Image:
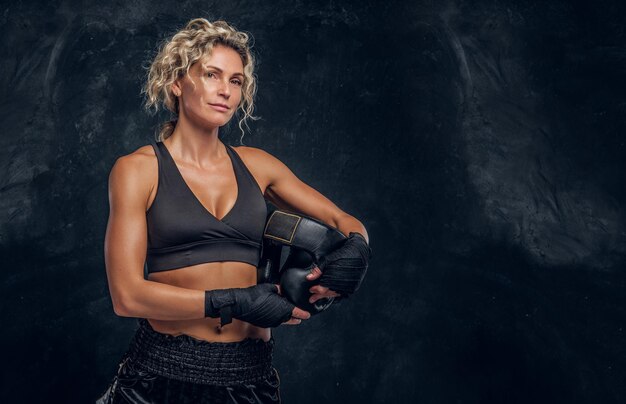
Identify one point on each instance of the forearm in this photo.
(259, 305)
(347, 224)
(148, 299)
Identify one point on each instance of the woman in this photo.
(193, 210)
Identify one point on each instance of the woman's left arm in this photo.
(285, 190)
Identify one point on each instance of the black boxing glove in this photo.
(344, 268)
(259, 305)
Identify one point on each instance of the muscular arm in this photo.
(125, 252)
(286, 191)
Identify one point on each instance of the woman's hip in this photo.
(165, 368)
(135, 386)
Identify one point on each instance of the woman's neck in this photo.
(195, 144)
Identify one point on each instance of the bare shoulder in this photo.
(134, 175)
(138, 163)
(257, 157)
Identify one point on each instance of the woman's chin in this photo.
(211, 123)
(217, 122)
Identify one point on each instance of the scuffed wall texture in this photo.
(481, 143)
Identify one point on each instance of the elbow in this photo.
(125, 297)
(123, 305)
(121, 310)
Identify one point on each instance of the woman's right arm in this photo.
(125, 251)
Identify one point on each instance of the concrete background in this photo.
(481, 143)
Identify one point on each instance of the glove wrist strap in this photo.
(218, 303)
(226, 315)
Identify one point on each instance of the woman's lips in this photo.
(219, 107)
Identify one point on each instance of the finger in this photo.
(293, 321)
(318, 289)
(314, 298)
(315, 273)
(323, 291)
(299, 313)
(317, 296)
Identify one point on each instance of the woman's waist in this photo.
(208, 329)
(210, 276)
(187, 358)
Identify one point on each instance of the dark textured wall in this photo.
(481, 143)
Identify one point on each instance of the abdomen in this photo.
(210, 276)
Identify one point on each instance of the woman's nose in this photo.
(224, 89)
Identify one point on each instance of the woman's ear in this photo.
(176, 88)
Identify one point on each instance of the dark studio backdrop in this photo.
(481, 143)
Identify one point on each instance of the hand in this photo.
(297, 314)
(260, 305)
(319, 291)
(344, 268)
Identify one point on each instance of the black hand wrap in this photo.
(344, 268)
(308, 240)
(259, 305)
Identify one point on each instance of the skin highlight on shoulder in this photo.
(256, 155)
(139, 168)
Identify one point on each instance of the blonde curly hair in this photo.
(187, 46)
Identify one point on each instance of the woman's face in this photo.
(218, 80)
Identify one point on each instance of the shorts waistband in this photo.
(189, 359)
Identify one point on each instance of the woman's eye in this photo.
(211, 74)
(237, 82)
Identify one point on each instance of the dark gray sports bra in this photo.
(182, 232)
